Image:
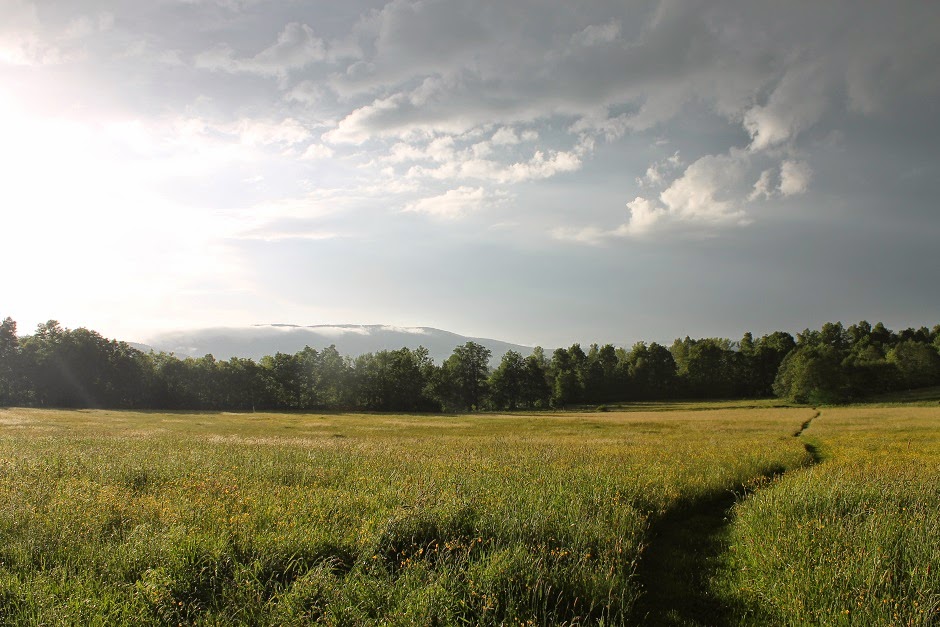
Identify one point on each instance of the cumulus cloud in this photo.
(794, 177)
(707, 194)
(507, 136)
(643, 215)
(763, 187)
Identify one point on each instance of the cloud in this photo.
(796, 103)
(27, 40)
(507, 136)
(317, 151)
(273, 235)
(411, 330)
(295, 48)
(657, 173)
(707, 194)
(763, 187)
(466, 165)
(455, 203)
(706, 191)
(335, 331)
(643, 215)
(794, 177)
(596, 34)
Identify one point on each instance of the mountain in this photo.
(350, 339)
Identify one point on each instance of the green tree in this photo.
(463, 382)
(918, 364)
(332, 378)
(812, 374)
(10, 381)
(566, 382)
(651, 370)
(536, 391)
(507, 382)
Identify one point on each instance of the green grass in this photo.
(156, 518)
(854, 540)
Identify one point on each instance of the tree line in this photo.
(78, 368)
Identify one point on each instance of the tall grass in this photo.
(149, 518)
(853, 541)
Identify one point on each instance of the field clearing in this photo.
(144, 517)
(856, 539)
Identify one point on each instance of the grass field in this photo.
(544, 519)
(855, 539)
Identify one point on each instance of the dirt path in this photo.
(684, 553)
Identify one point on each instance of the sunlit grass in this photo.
(854, 540)
(121, 517)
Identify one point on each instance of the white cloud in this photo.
(333, 331)
(261, 133)
(465, 165)
(643, 215)
(317, 151)
(657, 173)
(275, 235)
(794, 177)
(797, 102)
(707, 190)
(454, 203)
(763, 187)
(505, 136)
(412, 330)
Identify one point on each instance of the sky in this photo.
(536, 171)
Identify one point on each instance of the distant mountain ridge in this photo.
(352, 340)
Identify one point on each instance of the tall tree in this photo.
(9, 366)
(508, 381)
(464, 376)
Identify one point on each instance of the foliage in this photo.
(58, 367)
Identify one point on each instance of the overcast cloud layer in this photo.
(540, 172)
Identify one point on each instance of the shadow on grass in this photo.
(684, 554)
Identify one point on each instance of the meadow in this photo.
(856, 538)
(111, 517)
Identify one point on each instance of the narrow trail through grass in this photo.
(684, 553)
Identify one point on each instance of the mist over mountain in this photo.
(350, 339)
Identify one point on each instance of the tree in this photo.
(464, 377)
(507, 381)
(566, 383)
(536, 391)
(765, 359)
(9, 366)
(710, 368)
(812, 374)
(284, 371)
(332, 378)
(918, 364)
